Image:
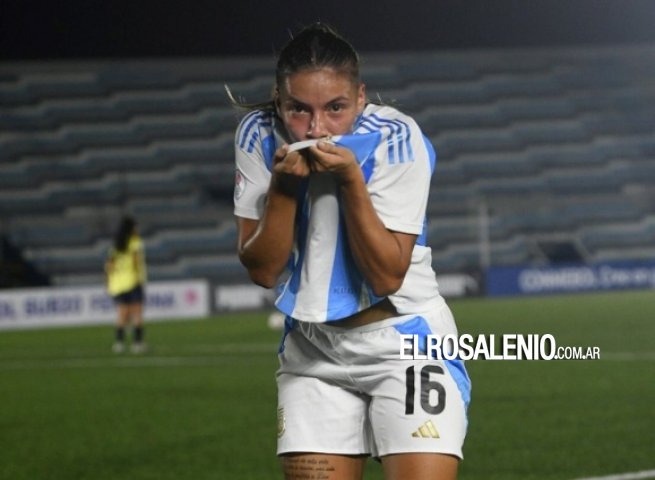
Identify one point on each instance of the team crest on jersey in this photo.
(239, 184)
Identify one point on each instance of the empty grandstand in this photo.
(536, 147)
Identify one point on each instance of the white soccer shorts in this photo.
(346, 391)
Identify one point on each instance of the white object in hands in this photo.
(306, 144)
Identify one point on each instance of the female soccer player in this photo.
(126, 276)
(344, 213)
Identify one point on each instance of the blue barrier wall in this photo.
(573, 278)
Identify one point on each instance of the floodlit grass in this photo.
(202, 403)
(563, 419)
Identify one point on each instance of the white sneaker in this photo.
(118, 347)
(138, 348)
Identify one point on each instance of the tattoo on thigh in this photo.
(307, 468)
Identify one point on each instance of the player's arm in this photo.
(109, 268)
(138, 261)
(383, 256)
(264, 245)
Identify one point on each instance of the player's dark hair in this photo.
(125, 230)
(314, 47)
(317, 46)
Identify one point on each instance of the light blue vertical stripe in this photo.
(251, 128)
(363, 146)
(345, 282)
(416, 326)
(398, 139)
(287, 301)
(253, 139)
(422, 239)
(391, 150)
(268, 146)
(289, 324)
(432, 153)
(248, 123)
(460, 376)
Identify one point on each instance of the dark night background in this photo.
(39, 29)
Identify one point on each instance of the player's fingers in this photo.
(285, 159)
(283, 150)
(321, 161)
(328, 147)
(318, 164)
(332, 156)
(293, 164)
(280, 153)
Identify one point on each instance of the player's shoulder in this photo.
(257, 116)
(380, 115)
(252, 122)
(135, 243)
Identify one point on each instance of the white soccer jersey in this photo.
(397, 161)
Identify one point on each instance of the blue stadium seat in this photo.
(554, 141)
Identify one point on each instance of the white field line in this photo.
(206, 355)
(217, 355)
(628, 356)
(624, 476)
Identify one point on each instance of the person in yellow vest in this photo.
(126, 278)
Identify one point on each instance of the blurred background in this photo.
(542, 114)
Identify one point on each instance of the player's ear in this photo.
(276, 101)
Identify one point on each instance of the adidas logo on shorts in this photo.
(427, 430)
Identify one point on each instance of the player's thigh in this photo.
(301, 466)
(315, 415)
(123, 310)
(420, 466)
(136, 313)
(418, 407)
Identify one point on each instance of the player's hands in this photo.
(294, 163)
(328, 157)
(289, 169)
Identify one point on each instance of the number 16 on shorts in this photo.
(431, 392)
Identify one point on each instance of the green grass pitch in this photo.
(201, 404)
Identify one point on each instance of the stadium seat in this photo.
(557, 141)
